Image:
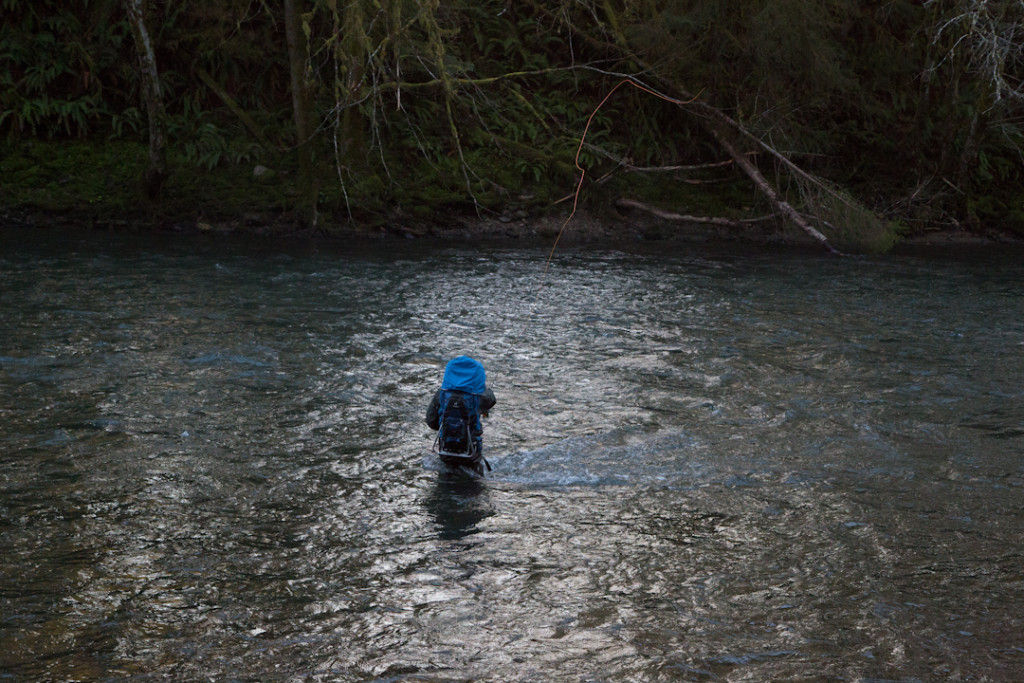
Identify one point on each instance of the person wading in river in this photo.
(455, 411)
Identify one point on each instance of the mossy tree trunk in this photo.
(350, 83)
(302, 108)
(156, 171)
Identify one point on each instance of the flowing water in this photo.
(706, 465)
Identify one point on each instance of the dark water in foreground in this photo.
(706, 466)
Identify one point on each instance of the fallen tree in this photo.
(626, 203)
(826, 200)
(780, 204)
(824, 207)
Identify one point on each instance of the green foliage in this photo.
(205, 144)
(849, 225)
(430, 102)
(126, 123)
(59, 65)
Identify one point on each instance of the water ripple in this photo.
(213, 464)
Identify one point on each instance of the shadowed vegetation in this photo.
(868, 120)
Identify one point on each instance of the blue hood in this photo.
(464, 374)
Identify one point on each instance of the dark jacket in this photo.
(487, 402)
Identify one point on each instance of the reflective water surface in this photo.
(707, 466)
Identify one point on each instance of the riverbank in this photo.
(95, 187)
(541, 228)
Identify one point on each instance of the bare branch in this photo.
(673, 216)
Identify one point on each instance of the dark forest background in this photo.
(856, 122)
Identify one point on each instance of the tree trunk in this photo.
(156, 171)
(351, 53)
(301, 107)
(626, 203)
(781, 205)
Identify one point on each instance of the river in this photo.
(708, 464)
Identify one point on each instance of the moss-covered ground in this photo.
(99, 184)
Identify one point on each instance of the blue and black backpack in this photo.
(459, 424)
(458, 435)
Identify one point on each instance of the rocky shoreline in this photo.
(581, 228)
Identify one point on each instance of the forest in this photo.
(855, 124)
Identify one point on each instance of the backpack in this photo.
(459, 422)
